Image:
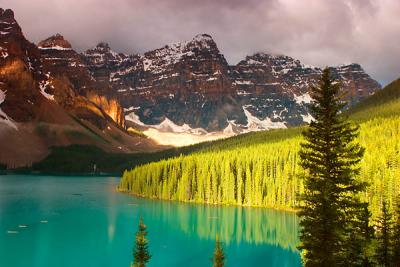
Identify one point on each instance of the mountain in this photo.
(191, 85)
(46, 100)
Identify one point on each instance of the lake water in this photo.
(83, 222)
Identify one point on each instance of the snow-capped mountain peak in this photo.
(102, 54)
(56, 42)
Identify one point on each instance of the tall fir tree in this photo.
(383, 250)
(330, 157)
(396, 235)
(219, 256)
(141, 254)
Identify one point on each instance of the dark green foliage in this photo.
(384, 235)
(219, 256)
(79, 159)
(141, 254)
(3, 166)
(331, 157)
(359, 244)
(367, 234)
(396, 235)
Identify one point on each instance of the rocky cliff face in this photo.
(274, 87)
(32, 76)
(65, 64)
(191, 84)
(356, 83)
(20, 72)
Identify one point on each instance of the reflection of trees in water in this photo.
(233, 224)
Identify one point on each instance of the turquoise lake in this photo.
(83, 222)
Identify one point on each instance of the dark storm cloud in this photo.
(318, 32)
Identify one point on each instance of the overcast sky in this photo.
(318, 32)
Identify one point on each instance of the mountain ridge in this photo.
(186, 77)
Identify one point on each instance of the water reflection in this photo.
(232, 224)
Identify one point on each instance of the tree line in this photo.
(266, 174)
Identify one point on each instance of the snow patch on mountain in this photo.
(305, 98)
(43, 85)
(146, 64)
(166, 126)
(229, 129)
(56, 47)
(255, 124)
(3, 52)
(4, 118)
(169, 126)
(243, 82)
(134, 118)
(182, 139)
(307, 118)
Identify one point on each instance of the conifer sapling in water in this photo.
(140, 252)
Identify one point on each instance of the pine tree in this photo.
(141, 254)
(330, 157)
(359, 250)
(367, 235)
(219, 257)
(384, 225)
(396, 235)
